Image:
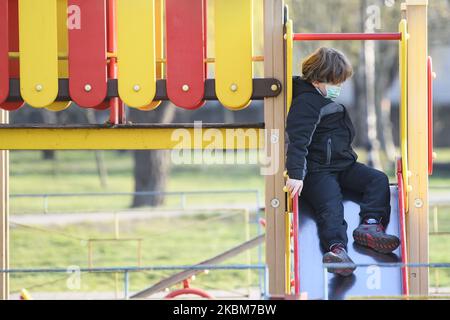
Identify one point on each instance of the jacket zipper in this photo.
(346, 117)
(329, 151)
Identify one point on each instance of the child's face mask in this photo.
(333, 91)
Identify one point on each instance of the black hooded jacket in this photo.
(319, 133)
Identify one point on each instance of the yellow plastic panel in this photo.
(289, 61)
(159, 23)
(130, 138)
(38, 40)
(404, 106)
(63, 46)
(136, 52)
(234, 50)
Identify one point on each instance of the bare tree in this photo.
(99, 154)
(49, 117)
(371, 20)
(151, 167)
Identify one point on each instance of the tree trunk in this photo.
(387, 138)
(151, 167)
(359, 93)
(150, 174)
(48, 154)
(49, 118)
(99, 156)
(374, 158)
(388, 67)
(370, 24)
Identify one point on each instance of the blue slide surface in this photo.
(366, 281)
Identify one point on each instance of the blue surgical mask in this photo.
(333, 91)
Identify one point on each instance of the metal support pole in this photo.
(248, 254)
(266, 283)
(325, 284)
(435, 219)
(436, 230)
(45, 204)
(90, 253)
(183, 201)
(126, 284)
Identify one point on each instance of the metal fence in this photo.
(127, 271)
(183, 196)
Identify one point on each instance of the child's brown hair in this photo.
(327, 65)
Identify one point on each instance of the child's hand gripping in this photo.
(294, 186)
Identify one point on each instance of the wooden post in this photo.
(275, 115)
(417, 218)
(4, 208)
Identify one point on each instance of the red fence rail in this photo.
(346, 36)
(296, 245)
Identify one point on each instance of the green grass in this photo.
(75, 172)
(187, 240)
(443, 155)
(182, 241)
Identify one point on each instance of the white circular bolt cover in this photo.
(418, 203)
(274, 138)
(275, 203)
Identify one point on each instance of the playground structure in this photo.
(111, 54)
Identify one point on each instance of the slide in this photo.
(366, 281)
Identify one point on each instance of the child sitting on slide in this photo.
(321, 162)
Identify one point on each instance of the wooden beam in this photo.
(133, 137)
(4, 212)
(417, 218)
(179, 277)
(275, 115)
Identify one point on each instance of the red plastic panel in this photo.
(185, 45)
(4, 48)
(87, 52)
(205, 32)
(430, 116)
(113, 104)
(13, 30)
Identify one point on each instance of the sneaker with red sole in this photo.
(338, 254)
(374, 236)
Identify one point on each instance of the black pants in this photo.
(323, 191)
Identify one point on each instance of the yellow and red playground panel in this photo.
(71, 55)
